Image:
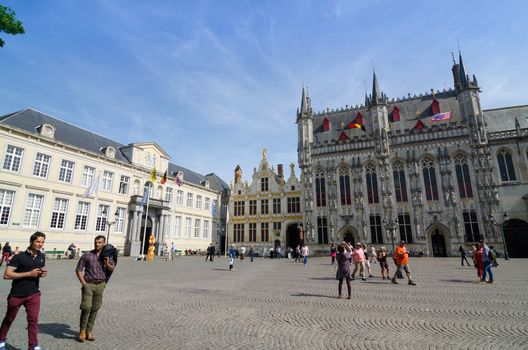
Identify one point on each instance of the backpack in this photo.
(492, 256)
(109, 251)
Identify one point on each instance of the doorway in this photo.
(348, 235)
(292, 236)
(516, 237)
(439, 244)
(148, 231)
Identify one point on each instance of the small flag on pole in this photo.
(178, 178)
(153, 176)
(356, 126)
(441, 116)
(146, 195)
(164, 178)
(93, 188)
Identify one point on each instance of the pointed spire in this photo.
(375, 87)
(463, 76)
(305, 102)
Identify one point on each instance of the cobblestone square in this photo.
(279, 304)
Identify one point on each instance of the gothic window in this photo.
(326, 124)
(320, 189)
(400, 186)
(463, 179)
(507, 171)
(376, 232)
(471, 226)
(372, 184)
(322, 230)
(435, 107)
(431, 189)
(404, 222)
(395, 114)
(344, 186)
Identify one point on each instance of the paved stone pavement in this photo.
(193, 304)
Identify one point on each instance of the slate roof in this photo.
(502, 119)
(29, 119)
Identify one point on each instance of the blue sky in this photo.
(213, 82)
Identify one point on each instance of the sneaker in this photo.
(363, 278)
(490, 281)
(412, 283)
(2, 345)
(394, 281)
(38, 348)
(371, 276)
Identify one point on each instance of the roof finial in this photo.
(453, 56)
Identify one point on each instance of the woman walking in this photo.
(343, 267)
(333, 253)
(358, 256)
(382, 258)
(478, 260)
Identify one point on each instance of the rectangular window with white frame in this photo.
(81, 217)
(6, 202)
(102, 217)
(119, 226)
(189, 200)
(41, 166)
(66, 171)
(108, 181)
(177, 226)
(197, 224)
(188, 227)
(124, 184)
(206, 229)
(88, 176)
(32, 210)
(207, 203)
(198, 202)
(58, 216)
(179, 197)
(168, 195)
(13, 158)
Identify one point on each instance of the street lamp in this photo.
(504, 219)
(109, 224)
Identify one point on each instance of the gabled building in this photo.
(433, 169)
(266, 212)
(47, 165)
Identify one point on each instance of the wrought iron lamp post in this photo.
(109, 224)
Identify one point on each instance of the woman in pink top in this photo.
(358, 257)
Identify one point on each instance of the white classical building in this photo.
(433, 169)
(266, 212)
(47, 165)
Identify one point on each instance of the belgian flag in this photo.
(356, 126)
(164, 178)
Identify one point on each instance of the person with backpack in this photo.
(93, 271)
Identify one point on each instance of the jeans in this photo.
(92, 299)
(487, 269)
(463, 257)
(32, 305)
(305, 260)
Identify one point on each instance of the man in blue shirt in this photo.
(486, 262)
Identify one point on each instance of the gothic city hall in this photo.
(433, 169)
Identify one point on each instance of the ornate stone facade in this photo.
(388, 170)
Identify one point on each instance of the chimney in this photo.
(279, 170)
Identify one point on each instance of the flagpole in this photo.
(146, 220)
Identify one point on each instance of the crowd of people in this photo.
(484, 260)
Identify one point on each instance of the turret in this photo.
(378, 117)
(305, 129)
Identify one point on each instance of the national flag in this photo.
(164, 178)
(93, 188)
(177, 179)
(153, 176)
(441, 116)
(356, 126)
(146, 195)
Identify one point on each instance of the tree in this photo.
(8, 23)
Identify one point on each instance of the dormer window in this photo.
(395, 114)
(359, 118)
(109, 151)
(206, 184)
(326, 124)
(46, 130)
(435, 106)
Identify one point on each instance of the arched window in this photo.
(507, 171)
(320, 188)
(400, 187)
(431, 189)
(344, 186)
(463, 179)
(372, 184)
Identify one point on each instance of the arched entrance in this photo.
(148, 232)
(516, 237)
(439, 235)
(348, 234)
(293, 238)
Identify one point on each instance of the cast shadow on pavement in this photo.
(458, 281)
(313, 295)
(322, 278)
(10, 347)
(58, 330)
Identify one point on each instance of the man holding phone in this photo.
(91, 273)
(25, 269)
